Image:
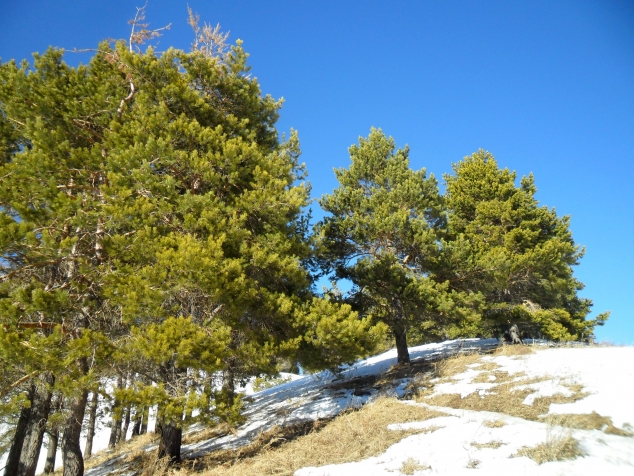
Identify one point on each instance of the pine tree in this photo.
(518, 254)
(143, 196)
(383, 235)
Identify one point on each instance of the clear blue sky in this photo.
(547, 87)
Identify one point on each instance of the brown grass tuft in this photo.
(410, 466)
(494, 423)
(502, 397)
(514, 350)
(447, 368)
(352, 436)
(557, 448)
(490, 444)
(587, 421)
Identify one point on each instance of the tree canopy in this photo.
(150, 212)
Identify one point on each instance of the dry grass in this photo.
(153, 466)
(490, 444)
(503, 399)
(514, 350)
(410, 466)
(555, 448)
(587, 421)
(503, 396)
(493, 423)
(351, 436)
(473, 463)
(451, 366)
(132, 446)
(208, 433)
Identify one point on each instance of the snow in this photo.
(605, 373)
(449, 450)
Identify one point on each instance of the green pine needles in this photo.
(467, 263)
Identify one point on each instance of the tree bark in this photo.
(400, 334)
(115, 428)
(51, 454)
(71, 451)
(73, 459)
(138, 417)
(126, 424)
(13, 460)
(40, 408)
(144, 420)
(90, 434)
(229, 385)
(170, 444)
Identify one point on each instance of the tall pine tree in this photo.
(383, 234)
(149, 209)
(518, 254)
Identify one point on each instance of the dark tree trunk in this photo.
(71, 451)
(72, 457)
(170, 444)
(115, 428)
(126, 425)
(51, 454)
(158, 424)
(400, 334)
(90, 434)
(53, 438)
(144, 420)
(229, 385)
(138, 417)
(40, 408)
(13, 460)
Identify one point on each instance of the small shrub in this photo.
(410, 466)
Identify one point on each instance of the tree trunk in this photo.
(138, 417)
(13, 460)
(170, 444)
(90, 434)
(400, 334)
(73, 459)
(51, 454)
(40, 408)
(126, 425)
(229, 385)
(144, 420)
(115, 428)
(71, 451)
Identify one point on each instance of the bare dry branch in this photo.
(209, 40)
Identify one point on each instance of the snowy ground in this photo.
(452, 449)
(606, 373)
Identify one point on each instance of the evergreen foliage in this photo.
(383, 235)
(518, 254)
(152, 224)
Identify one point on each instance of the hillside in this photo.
(519, 410)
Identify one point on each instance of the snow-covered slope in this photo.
(461, 442)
